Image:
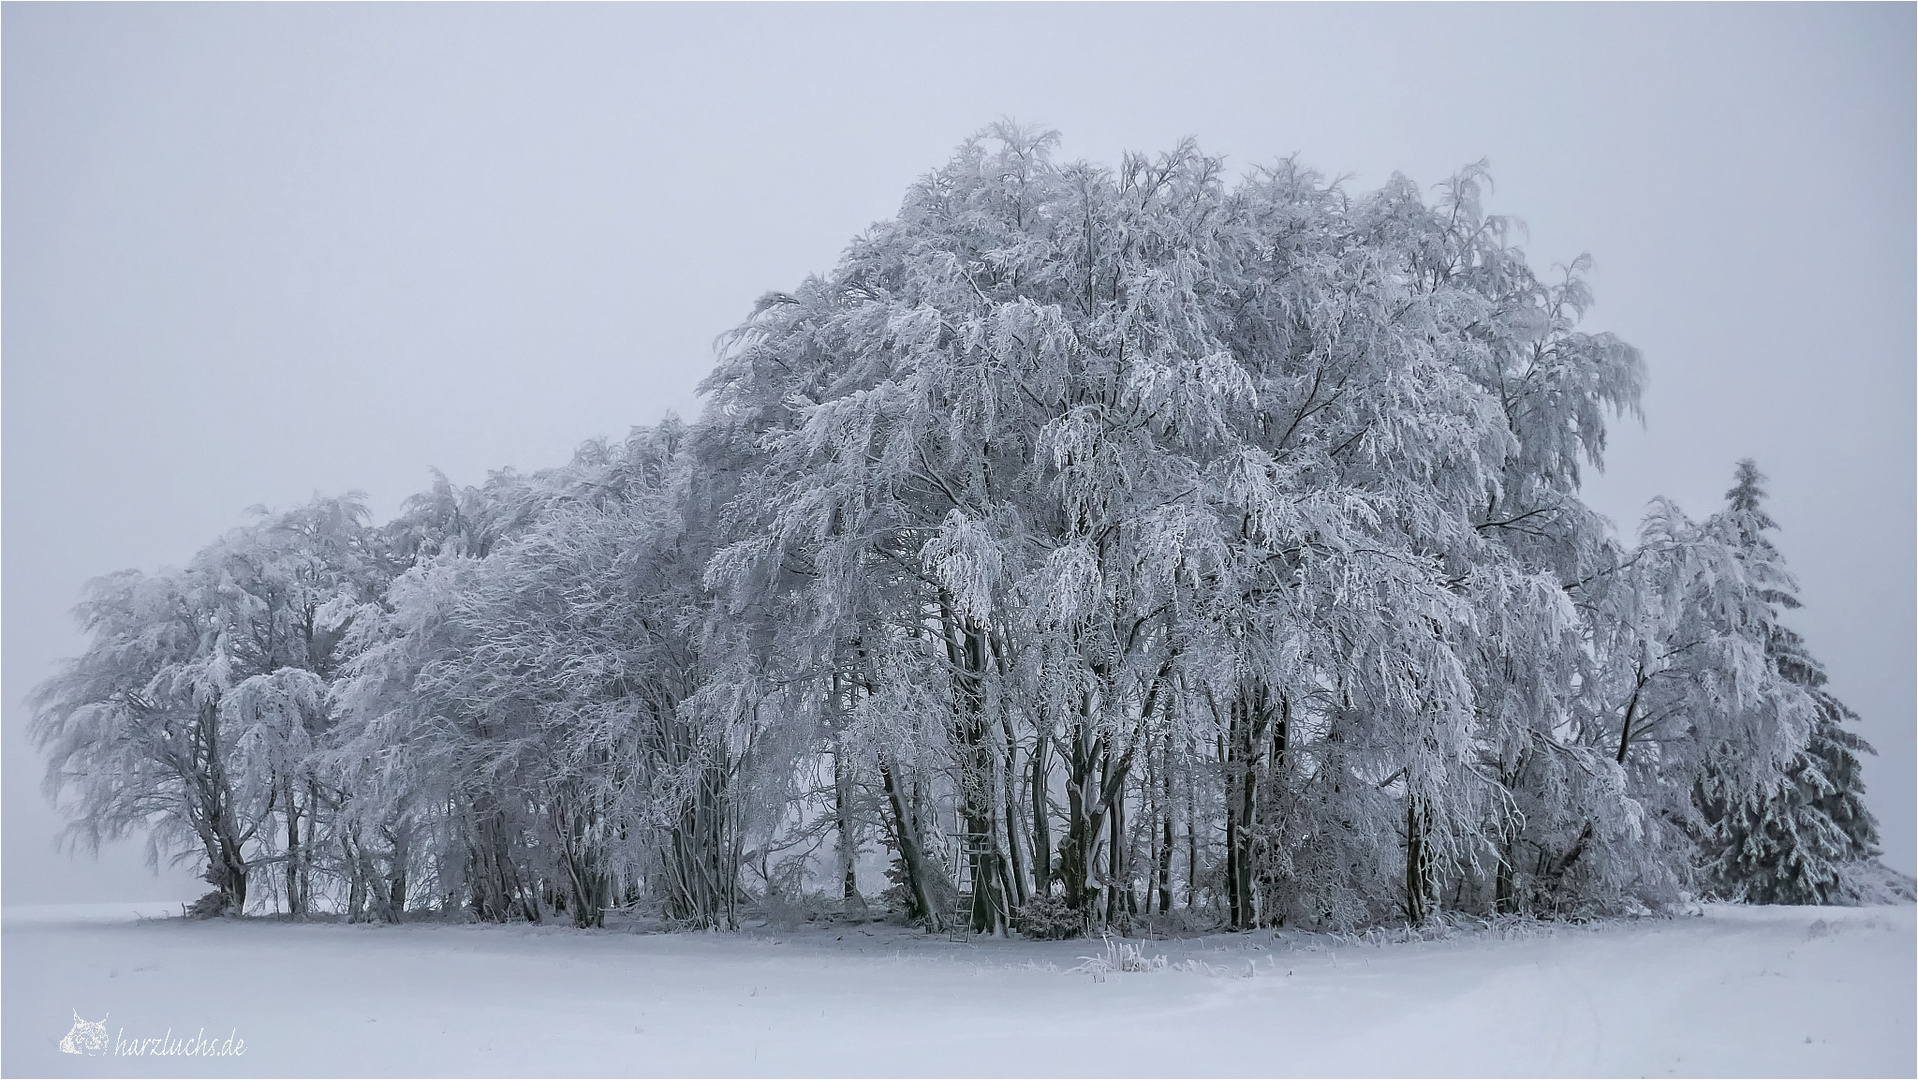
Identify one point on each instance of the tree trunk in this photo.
(966, 652)
(1504, 901)
(295, 908)
(918, 874)
(1075, 848)
(396, 880)
(1041, 820)
(1119, 900)
(1165, 841)
(1233, 897)
(1192, 826)
(1151, 811)
(586, 880)
(842, 771)
(495, 885)
(1631, 707)
(842, 811)
(1418, 877)
(231, 873)
(309, 848)
(1239, 742)
(1247, 718)
(1271, 904)
(213, 814)
(1015, 855)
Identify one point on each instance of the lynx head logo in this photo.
(88, 1037)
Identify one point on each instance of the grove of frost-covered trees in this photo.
(1089, 546)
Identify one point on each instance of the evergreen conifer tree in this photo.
(1789, 846)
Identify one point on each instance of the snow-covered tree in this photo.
(198, 706)
(1790, 845)
(1097, 541)
(1135, 458)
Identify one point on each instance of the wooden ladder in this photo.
(960, 927)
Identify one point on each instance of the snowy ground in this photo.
(1752, 992)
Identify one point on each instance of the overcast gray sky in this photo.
(252, 252)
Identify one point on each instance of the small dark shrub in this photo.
(1047, 918)
(212, 905)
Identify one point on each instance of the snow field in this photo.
(1737, 992)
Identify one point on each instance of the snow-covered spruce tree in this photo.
(1680, 683)
(1791, 845)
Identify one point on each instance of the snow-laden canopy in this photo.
(1101, 544)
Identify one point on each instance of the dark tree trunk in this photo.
(1271, 902)
(491, 875)
(1192, 831)
(1165, 841)
(1096, 772)
(1504, 902)
(1418, 868)
(966, 652)
(1247, 719)
(228, 874)
(396, 880)
(587, 884)
(1151, 811)
(1240, 791)
(295, 907)
(842, 770)
(842, 810)
(1120, 902)
(1015, 854)
(1075, 847)
(920, 887)
(309, 848)
(1041, 819)
(703, 870)
(1631, 708)
(356, 877)
(213, 817)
